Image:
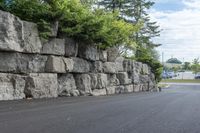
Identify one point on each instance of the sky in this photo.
(179, 21)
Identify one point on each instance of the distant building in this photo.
(173, 62)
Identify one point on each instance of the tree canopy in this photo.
(106, 23)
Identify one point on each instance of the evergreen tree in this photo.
(112, 5)
(137, 11)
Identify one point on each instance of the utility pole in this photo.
(182, 69)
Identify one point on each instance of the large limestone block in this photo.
(71, 47)
(128, 88)
(11, 86)
(11, 36)
(137, 88)
(97, 67)
(69, 64)
(128, 65)
(36, 63)
(83, 83)
(110, 90)
(119, 64)
(55, 64)
(80, 65)
(103, 55)
(67, 85)
(17, 35)
(136, 78)
(138, 67)
(54, 46)
(43, 85)
(98, 92)
(110, 67)
(113, 53)
(113, 80)
(98, 81)
(31, 39)
(123, 78)
(88, 52)
(119, 89)
(144, 79)
(145, 69)
(145, 87)
(22, 63)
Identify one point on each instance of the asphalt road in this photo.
(174, 110)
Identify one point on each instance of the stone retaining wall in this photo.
(32, 68)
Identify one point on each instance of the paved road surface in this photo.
(175, 110)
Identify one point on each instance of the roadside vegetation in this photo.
(180, 81)
(121, 23)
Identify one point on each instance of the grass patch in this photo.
(163, 85)
(180, 81)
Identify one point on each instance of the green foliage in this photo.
(155, 65)
(174, 61)
(195, 66)
(35, 11)
(76, 20)
(2, 4)
(97, 26)
(186, 66)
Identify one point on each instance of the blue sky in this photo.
(180, 22)
(168, 5)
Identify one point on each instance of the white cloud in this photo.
(181, 31)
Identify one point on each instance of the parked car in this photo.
(197, 76)
(165, 75)
(171, 74)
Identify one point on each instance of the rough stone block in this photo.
(128, 88)
(128, 65)
(80, 65)
(54, 46)
(83, 83)
(22, 63)
(36, 63)
(138, 67)
(88, 52)
(113, 80)
(41, 85)
(145, 69)
(137, 88)
(110, 67)
(119, 64)
(69, 64)
(97, 67)
(71, 47)
(119, 89)
(11, 36)
(99, 92)
(55, 64)
(11, 86)
(123, 78)
(98, 81)
(113, 53)
(103, 56)
(110, 90)
(136, 78)
(31, 39)
(67, 85)
(144, 79)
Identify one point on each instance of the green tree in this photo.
(149, 30)
(186, 66)
(112, 5)
(195, 66)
